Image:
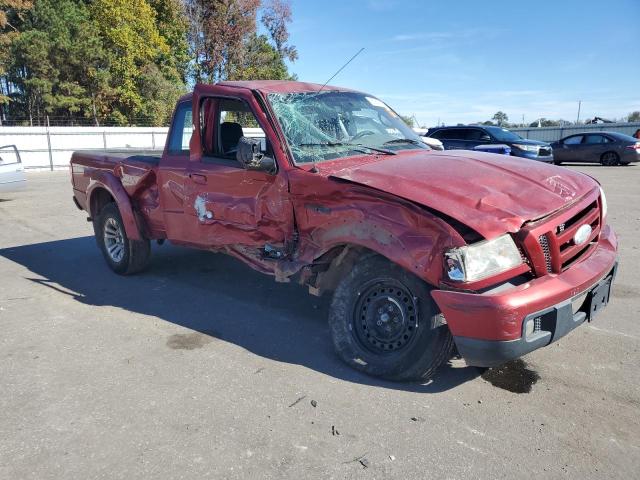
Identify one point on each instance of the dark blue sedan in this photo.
(471, 136)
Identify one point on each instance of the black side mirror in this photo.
(251, 158)
(485, 138)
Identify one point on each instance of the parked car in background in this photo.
(434, 143)
(470, 136)
(11, 169)
(607, 148)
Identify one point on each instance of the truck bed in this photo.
(151, 157)
(133, 169)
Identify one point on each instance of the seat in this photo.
(230, 134)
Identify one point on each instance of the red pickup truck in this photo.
(423, 250)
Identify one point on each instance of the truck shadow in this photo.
(215, 295)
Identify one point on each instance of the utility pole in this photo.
(523, 119)
(579, 105)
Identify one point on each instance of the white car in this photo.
(11, 169)
(434, 143)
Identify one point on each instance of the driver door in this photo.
(570, 149)
(228, 205)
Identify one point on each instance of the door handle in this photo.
(197, 178)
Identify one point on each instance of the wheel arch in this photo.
(107, 189)
(607, 152)
(329, 249)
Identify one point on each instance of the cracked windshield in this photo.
(332, 124)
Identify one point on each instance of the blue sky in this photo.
(461, 61)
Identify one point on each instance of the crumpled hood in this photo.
(493, 194)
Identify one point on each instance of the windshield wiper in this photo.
(403, 140)
(342, 144)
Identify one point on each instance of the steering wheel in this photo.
(363, 133)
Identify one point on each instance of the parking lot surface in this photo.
(202, 368)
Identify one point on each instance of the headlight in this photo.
(528, 148)
(603, 201)
(482, 259)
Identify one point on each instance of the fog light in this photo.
(529, 328)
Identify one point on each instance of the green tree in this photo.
(173, 26)
(225, 46)
(634, 116)
(53, 61)
(500, 118)
(12, 14)
(408, 119)
(276, 15)
(261, 61)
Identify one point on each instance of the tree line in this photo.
(125, 62)
(501, 119)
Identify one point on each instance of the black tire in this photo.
(409, 346)
(134, 253)
(610, 159)
(556, 162)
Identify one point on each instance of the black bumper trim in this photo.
(557, 321)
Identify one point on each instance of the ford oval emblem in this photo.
(582, 234)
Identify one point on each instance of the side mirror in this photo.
(485, 138)
(251, 158)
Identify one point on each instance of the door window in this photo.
(236, 120)
(595, 139)
(476, 135)
(181, 129)
(573, 140)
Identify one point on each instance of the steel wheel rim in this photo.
(113, 240)
(610, 159)
(385, 317)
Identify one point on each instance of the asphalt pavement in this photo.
(202, 368)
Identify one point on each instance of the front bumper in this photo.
(516, 152)
(488, 328)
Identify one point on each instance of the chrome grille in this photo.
(550, 244)
(544, 243)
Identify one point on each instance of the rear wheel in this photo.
(123, 256)
(384, 322)
(610, 159)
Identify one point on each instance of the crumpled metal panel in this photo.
(491, 194)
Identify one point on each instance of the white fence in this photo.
(51, 148)
(42, 148)
(551, 134)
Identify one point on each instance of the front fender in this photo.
(109, 182)
(412, 239)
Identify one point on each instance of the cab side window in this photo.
(181, 129)
(235, 120)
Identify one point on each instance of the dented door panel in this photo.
(237, 207)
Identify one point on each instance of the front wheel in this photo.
(384, 322)
(124, 256)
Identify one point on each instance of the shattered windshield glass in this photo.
(326, 125)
